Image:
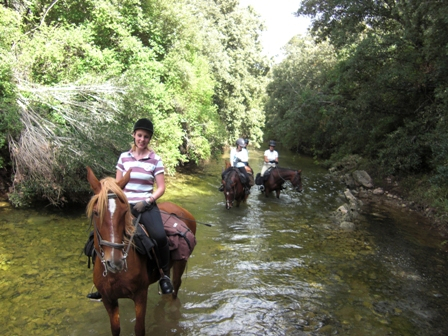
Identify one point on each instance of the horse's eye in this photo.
(95, 213)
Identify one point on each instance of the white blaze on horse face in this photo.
(112, 208)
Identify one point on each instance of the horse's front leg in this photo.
(277, 192)
(140, 301)
(266, 192)
(114, 316)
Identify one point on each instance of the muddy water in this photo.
(271, 267)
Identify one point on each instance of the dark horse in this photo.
(233, 188)
(120, 271)
(278, 176)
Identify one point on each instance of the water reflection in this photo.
(271, 267)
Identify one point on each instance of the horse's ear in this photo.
(122, 183)
(94, 183)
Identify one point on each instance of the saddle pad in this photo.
(180, 238)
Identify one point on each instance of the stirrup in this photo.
(165, 285)
(221, 187)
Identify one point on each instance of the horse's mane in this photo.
(227, 178)
(99, 202)
(283, 169)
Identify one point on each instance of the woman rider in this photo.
(239, 158)
(270, 159)
(147, 169)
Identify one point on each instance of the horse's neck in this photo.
(285, 174)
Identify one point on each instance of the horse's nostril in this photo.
(114, 266)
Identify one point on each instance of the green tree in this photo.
(82, 72)
(232, 46)
(299, 107)
(9, 119)
(390, 72)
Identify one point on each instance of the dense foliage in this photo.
(76, 74)
(373, 83)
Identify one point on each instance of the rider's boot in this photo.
(164, 258)
(94, 296)
(221, 187)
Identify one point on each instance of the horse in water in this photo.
(120, 271)
(233, 187)
(278, 176)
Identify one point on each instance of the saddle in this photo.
(242, 177)
(180, 239)
(260, 179)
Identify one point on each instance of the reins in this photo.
(284, 180)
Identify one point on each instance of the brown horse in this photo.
(278, 176)
(233, 188)
(119, 271)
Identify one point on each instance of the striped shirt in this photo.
(141, 183)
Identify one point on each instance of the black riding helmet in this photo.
(272, 143)
(144, 124)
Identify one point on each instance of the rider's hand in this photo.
(142, 206)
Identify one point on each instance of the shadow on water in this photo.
(270, 267)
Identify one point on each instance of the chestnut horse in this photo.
(120, 271)
(278, 176)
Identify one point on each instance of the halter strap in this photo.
(103, 242)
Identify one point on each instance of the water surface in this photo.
(270, 267)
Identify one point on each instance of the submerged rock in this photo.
(348, 226)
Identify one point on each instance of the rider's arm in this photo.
(160, 181)
(118, 175)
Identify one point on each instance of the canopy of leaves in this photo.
(75, 75)
(383, 93)
(374, 84)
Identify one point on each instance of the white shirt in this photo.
(243, 155)
(272, 156)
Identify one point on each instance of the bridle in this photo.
(296, 175)
(229, 201)
(227, 192)
(119, 246)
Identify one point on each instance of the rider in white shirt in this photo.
(270, 159)
(239, 158)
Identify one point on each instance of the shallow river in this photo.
(270, 267)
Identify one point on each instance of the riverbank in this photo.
(390, 192)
